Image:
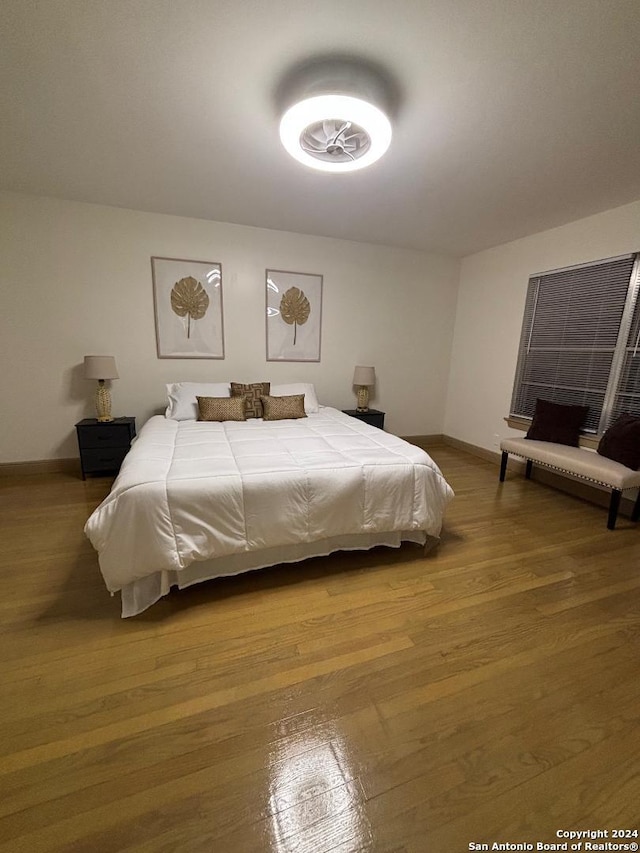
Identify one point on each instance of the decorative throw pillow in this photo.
(621, 442)
(558, 423)
(221, 409)
(282, 408)
(252, 394)
(311, 405)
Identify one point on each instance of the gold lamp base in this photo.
(363, 399)
(103, 402)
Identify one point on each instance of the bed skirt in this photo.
(141, 594)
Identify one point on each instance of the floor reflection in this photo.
(316, 801)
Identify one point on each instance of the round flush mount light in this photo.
(336, 118)
(335, 133)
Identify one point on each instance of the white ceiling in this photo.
(513, 116)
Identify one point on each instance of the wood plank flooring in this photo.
(381, 701)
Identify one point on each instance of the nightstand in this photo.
(103, 445)
(373, 416)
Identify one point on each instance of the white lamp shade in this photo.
(100, 367)
(364, 376)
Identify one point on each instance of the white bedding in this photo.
(242, 495)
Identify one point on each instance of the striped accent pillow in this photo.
(252, 394)
(221, 409)
(283, 408)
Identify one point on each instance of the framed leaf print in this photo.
(294, 316)
(187, 297)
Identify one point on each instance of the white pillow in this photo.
(310, 400)
(181, 396)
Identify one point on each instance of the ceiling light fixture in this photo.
(336, 119)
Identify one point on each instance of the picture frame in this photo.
(188, 308)
(293, 315)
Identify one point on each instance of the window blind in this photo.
(571, 343)
(627, 391)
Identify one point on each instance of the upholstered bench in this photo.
(578, 461)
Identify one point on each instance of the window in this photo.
(580, 341)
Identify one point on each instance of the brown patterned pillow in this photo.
(221, 409)
(252, 394)
(282, 408)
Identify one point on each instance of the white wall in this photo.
(75, 279)
(491, 298)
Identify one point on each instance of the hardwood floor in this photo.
(381, 701)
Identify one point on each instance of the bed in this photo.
(200, 500)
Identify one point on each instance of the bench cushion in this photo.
(579, 461)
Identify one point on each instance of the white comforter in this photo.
(191, 491)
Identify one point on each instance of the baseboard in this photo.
(564, 482)
(480, 452)
(424, 441)
(40, 466)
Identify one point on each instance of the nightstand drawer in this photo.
(108, 459)
(104, 435)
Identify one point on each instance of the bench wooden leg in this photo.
(503, 465)
(614, 504)
(635, 515)
(527, 470)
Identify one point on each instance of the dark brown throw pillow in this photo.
(558, 423)
(252, 393)
(621, 442)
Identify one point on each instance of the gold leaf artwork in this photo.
(294, 309)
(189, 299)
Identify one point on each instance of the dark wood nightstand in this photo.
(373, 416)
(103, 445)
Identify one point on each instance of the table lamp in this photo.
(101, 367)
(363, 377)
